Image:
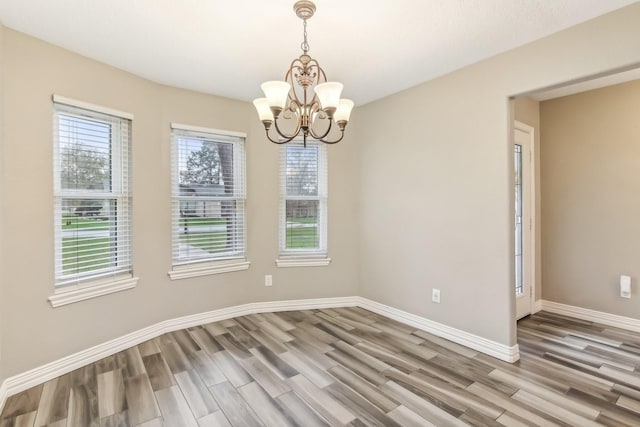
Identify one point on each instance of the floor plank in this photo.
(174, 408)
(217, 419)
(264, 406)
(23, 403)
(141, 400)
(321, 401)
(111, 397)
(83, 406)
(197, 394)
(235, 408)
(299, 411)
(54, 401)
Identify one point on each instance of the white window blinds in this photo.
(208, 213)
(92, 206)
(303, 203)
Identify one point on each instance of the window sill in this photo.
(75, 293)
(204, 269)
(299, 261)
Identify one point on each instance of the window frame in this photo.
(304, 257)
(225, 262)
(81, 286)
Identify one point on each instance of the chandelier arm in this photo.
(336, 141)
(275, 141)
(297, 113)
(289, 78)
(286, 137)
(306, 72)
(322, 77)
(326, 141)
(321, 137)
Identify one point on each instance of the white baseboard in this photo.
(41, 374)
(537, 306)
(601, 317)
(3, 395)
(483, 345)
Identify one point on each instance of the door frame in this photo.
(531, 246)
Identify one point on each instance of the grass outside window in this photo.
(84, 254)
(302, 233)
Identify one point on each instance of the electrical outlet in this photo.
(268, 280)
(435, 296)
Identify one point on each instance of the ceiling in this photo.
(228, 48)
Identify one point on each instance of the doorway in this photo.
(523, 211)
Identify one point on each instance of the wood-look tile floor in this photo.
(346, 366)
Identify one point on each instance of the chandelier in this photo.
(292, 107)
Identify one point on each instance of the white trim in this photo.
(88, 106)
(601, 317)
(284, 262)
(41, 374)
(321, 197)
(204, 269)
(116, 194)
(208, 130)
(4, 394)
(181, 140)
(530, 130)
(537, 306)
(492, 348)
(70, 294)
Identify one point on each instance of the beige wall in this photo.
(436, 177)
(527, 111)
(35, 333)
(2, 192)
(590, 205)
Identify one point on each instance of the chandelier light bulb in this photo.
(264, 112)
(329, 94)
(276, 93)
(343, 112)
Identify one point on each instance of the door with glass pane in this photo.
(523, 222)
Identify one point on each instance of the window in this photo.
(303, 205)
(208, 213)
(92, 206)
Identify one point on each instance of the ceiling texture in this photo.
(228, 48)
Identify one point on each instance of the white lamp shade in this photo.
(276, 93)
(344, 110)
(329, 94)
(262, 107)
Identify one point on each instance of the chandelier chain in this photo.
(305, 44)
